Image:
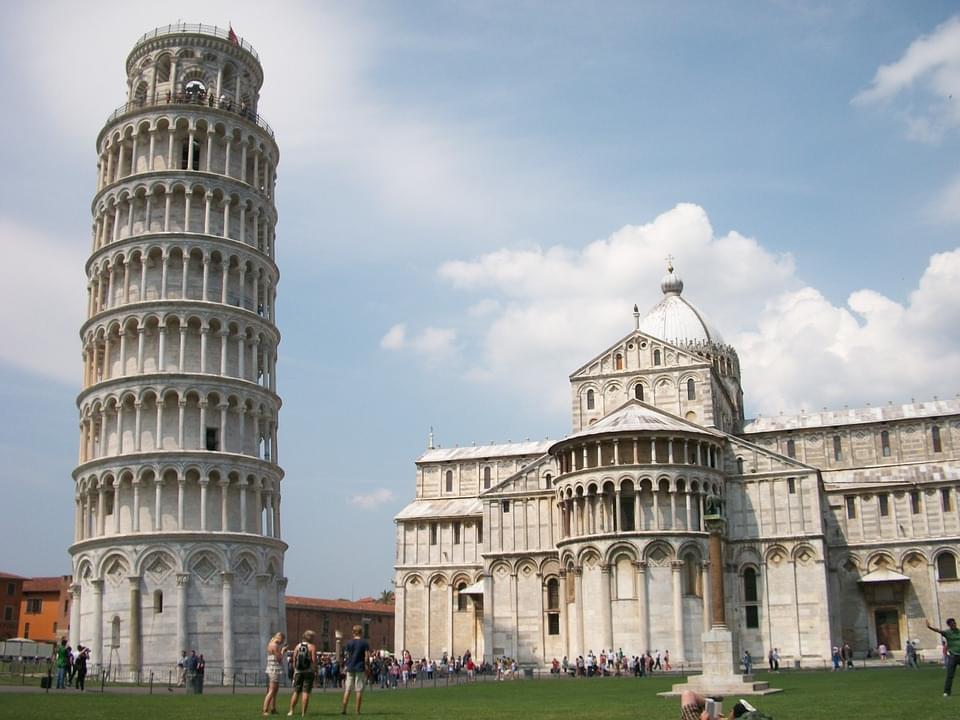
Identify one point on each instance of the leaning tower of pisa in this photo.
(177, 543)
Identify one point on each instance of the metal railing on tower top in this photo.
(225, 33)
(196, 100)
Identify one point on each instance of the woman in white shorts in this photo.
(275, 651)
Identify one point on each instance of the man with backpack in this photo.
(304, 662)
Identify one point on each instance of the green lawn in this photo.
(893, 693)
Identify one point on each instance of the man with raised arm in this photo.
(952, 636)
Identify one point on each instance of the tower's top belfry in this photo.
(175, 56)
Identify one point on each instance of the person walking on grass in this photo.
(304, 671)
(952, 637)
(61, 654)
(356, 650)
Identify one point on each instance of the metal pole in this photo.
(151, 682)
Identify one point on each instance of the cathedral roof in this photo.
(676, 320)
(636, 416)
(853, 416)
(482, 452)
(447, 507)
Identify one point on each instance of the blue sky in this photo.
(472, 197)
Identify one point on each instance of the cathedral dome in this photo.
(674, 319)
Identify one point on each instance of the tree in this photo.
(386, 597)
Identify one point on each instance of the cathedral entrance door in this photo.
(887, 622)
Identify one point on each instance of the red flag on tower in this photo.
(232, 36)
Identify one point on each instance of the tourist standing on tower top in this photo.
(356, 652)
(952, 637)
(275, 650)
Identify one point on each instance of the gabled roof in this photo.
(691, 357)
(637, 416)
(482, 452)
(45, 584)
(501, 486)
(440, 507)
(853, 416)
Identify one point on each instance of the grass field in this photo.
(888, 693)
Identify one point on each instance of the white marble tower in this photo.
(177, 543)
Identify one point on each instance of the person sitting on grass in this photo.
(693, 706)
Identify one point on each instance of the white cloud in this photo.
(557, 307)
(430, 342)
(395, 337)
(373, 500)
(45, 279)
(929, 71)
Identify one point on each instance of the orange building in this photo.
(11, 587)
(328, 617)
(45, 608)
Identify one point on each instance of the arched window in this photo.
(548, 480)
(691, 389)
(791, 448)
(449, 480)
(185, 159)
(691, 575)
(486, 478)
(618, 362)
(158, 602)
(946, 566)
(935, 438)
(461, 597)
(837, 448)
(739, 466)
(163, 69)
(885, 443)
(656, 357)
(638, 391)
(750, 598)
(553, 606)
(115, 632)
(591, 402)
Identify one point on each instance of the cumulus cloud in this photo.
(46, 279)
(551, 309)
(430, 342)
(373, 500)
(929, 73)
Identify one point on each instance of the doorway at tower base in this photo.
(720, 676)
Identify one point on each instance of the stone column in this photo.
(450, 618)
(678, 653)
(564, 623)
(181, 488)
(718, 610)
(224, 498)
(578, 585)
(282, 603)
(136, 506)
(642, 607)
(74, 614)
(96, 648)
(606, 613)
(135, 660)
(204, 482)
(705, 575)
(243, 505)
(514, 602)
(158, 504)
(487, 616)
(183, 639)
(228, 664)
(263, 622)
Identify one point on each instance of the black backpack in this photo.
(301, 658)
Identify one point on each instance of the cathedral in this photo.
(840, 527)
